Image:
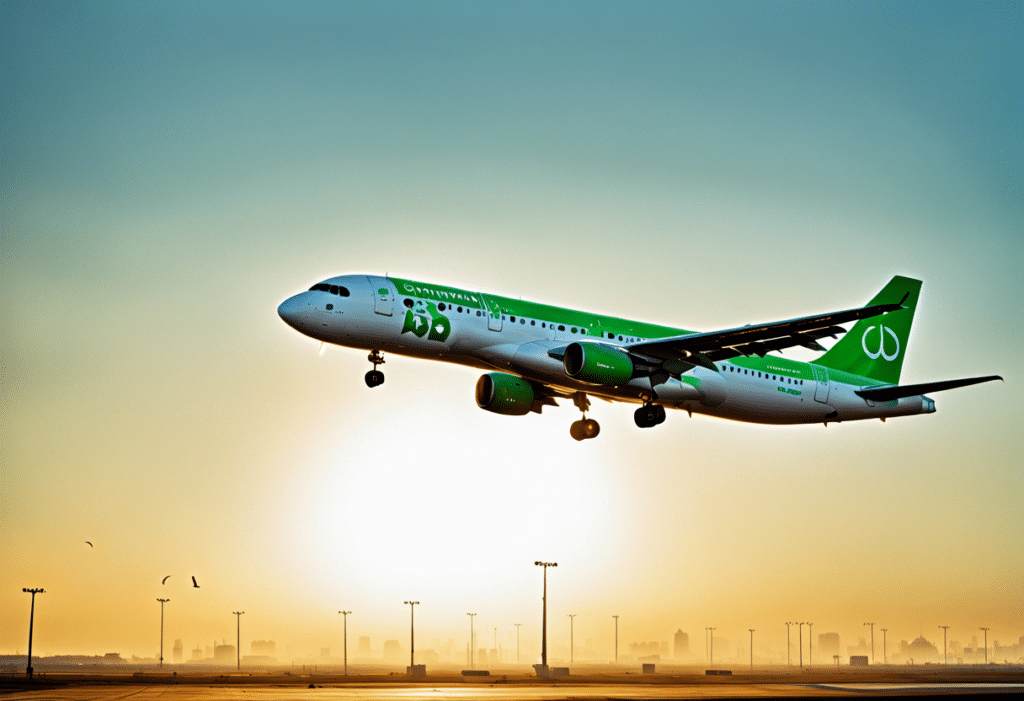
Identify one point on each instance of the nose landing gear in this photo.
(649, 415)
(375, 377)
(584, 428)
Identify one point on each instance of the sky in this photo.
(171, 172)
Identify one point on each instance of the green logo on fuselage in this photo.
(424, 320)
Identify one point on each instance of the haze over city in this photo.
(172, 173)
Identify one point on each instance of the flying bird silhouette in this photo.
(89, 544)
(194, 583)
(164, 581)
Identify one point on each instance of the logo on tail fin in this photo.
(881, 343)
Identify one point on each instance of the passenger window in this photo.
(513, 319)
(343, 291)
(330, 307)
(479, 313)
(333, 289)
(561, 328)
(441, 307)
(522, 321)
(583, 331)
(459, 310)
(407, 302)
(574, 329)
(620, 338)
(533, 322)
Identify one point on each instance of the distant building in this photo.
(224, 654)
(682, 645)
(178, 651)
(112, 657)
(263, 647)
(197, 654)
(828, 644)
(392, 649)
(922, 651)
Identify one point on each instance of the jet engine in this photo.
(597, 364)
(504, 394)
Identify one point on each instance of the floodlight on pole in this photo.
(810, 644)
(544, 619)
(711, 631)
(412, 632)
(945, 656)
(571, 644)
(472, 643)
(345, 614)
(162, 602)
(751, 649)
(31, 621)
(238, 641)
(885, 657)
(517, 642)
(872, 641)
(616, 638)
(789, 645)
(986, 643)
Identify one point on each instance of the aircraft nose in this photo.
(290, 311)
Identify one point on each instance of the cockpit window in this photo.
(333, 289)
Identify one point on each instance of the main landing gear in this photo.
(649, 415)
(584, 428)
(375, 377)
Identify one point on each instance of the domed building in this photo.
(922, 651)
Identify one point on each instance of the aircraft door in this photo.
(493, 313)
(821, 383)
(383, 297)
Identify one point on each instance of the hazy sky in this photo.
(171, 172)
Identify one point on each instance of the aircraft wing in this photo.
(757, 339)
(885, 394)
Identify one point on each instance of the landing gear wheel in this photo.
(649, 415)
(375, 377)
(583, 429)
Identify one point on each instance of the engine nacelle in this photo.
(597, 364)
(504, 394)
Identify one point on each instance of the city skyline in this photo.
(172, 173)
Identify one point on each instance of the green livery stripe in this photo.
(596, 324)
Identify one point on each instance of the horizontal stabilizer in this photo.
(885, 394)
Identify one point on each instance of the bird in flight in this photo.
(89, 544)
(164, 580)
(194, 583)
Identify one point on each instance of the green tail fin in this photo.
(875, 347)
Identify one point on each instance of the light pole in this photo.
(711, 632)
(544, 620)
(945, 657)
(571, 644)
(162, 602)
(412, 632)
(810, 644)
(872, 641)
(800, 641)
(31, 621)
(885, 657)
(345, 614)
(472, 643)
(986, 643)
(789, 645)
(751, 649)
(616, 638)
(238, 641)
(517, 642)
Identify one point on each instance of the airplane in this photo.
(536, 354)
